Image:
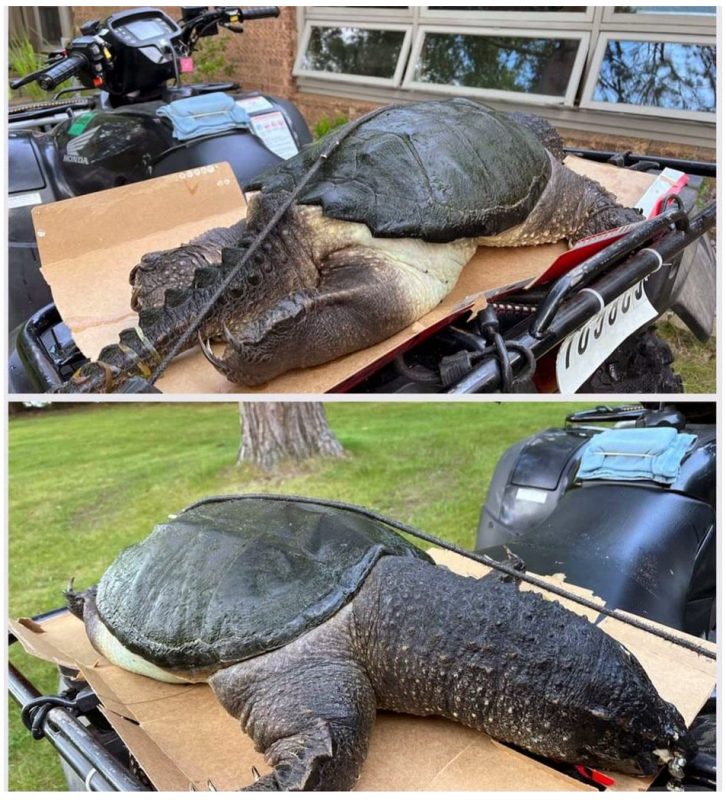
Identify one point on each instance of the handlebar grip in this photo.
(64, 69)
(262, 12)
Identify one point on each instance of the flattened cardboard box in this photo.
(182, 736)
(89, 244)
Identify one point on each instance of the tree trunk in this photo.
(275, 432)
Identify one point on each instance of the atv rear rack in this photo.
(562, 312)
(628, 159)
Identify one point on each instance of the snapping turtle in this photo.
(304, 619)
(375, 239)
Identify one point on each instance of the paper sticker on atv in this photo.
(583, 351)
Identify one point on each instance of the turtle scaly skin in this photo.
(303, 637)
(421, 640)
(376, 240)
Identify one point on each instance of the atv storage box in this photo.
(89, 244)
(181, 735)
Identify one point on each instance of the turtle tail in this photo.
(546, 133)
(603, 214)
(575, 197)
(75, 601)
(131, 362)
(574, 206)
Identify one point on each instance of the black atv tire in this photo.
(641, 365)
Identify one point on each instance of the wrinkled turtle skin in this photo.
(377, 239)
(304, 620)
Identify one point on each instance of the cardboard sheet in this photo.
(180, 734)
(89, 244)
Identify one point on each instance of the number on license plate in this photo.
(585, 349)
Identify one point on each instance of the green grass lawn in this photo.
(91, 479)
(694, 361)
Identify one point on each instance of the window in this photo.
(684, 16)
(47, 27)
(530, 14)
(709, 11)
(649, 61)
(515, 9)
(513, 63)
(653, 74)
(373, 53)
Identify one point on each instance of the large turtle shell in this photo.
(232, 577)
(438, 171)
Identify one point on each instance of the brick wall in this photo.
(264, 56)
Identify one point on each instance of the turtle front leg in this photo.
(309, 706)
(362, 298)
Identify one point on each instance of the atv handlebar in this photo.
(263, 12)
(228, 17)
(61, 71)
(90, 55)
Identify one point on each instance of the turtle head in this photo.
(629, 727)
(640, 745)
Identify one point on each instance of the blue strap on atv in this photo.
(203, 115)
(635, 454)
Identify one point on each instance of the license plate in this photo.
(583, 351)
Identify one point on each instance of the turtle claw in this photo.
(209, 354)
(255, 773)
(229, 337)
(210, 786)
(514, 561)
(74, 600)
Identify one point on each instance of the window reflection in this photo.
(660, 74)
(514, 64)
(353, 51)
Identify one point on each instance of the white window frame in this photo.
(628, 108)
(696, 23)
(446, 15)
(364, 13)
(347, 77)
(500, 94)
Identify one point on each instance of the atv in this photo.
(132, 62)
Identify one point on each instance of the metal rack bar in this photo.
(704, 169)
(87, 757)
(579, 309)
